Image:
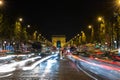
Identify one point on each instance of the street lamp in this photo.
(78, 35)
(20, 19)
(92, 32)
(28, 26)
(117, 3)
(35, 35)
(39, 37)
(1, 2)
(99, 18)
(101, 29)
(21, 27)
(83, 37)
(18, 29)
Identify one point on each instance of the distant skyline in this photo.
(61, 17)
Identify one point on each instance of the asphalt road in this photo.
(52, 69)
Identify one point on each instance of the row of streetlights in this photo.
(100, 31)
(104, 36)
(19, 28)
(97, 35)
(36, 35)
(78, 39)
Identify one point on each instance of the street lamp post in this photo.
(18, 28)
(35, 35)
(28, 31)
(101, 29)
(78, 35)
(99, 38)
(83, 37)
(39, 37)
(92, 33)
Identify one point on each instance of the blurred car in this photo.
(75, 53)
(83, 54)
(114, 55)
(116, 58)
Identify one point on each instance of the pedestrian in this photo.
(61, 53)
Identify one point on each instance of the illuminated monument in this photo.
(58, 40)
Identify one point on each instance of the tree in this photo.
(24, 34)
(17, 30)
(1, 25)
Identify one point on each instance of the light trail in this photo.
(98, 65)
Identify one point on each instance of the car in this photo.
(115, 57)
(75, 53)
(85, 54)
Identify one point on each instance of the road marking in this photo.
(86, 73)
(6, 75)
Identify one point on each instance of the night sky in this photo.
(58, 17)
